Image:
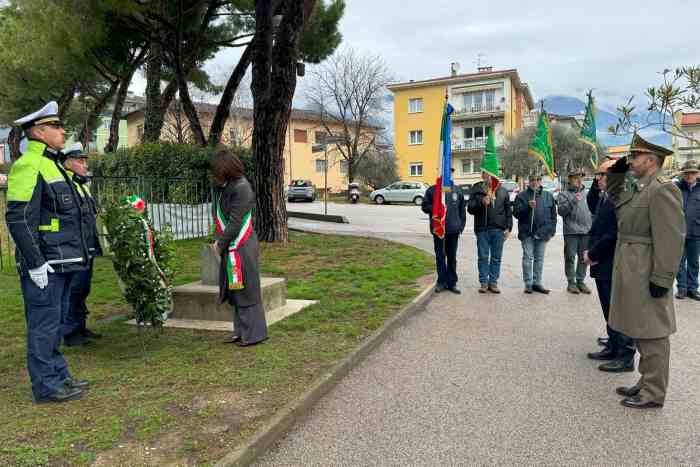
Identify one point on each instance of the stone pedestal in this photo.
(196, 305)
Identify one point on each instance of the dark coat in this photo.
(545, 215)
(456, 216)
(237, 199)
(691, 206)
(603, 234)
(497, 215)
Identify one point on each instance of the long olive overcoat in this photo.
(651, 234)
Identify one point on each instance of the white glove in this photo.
(40, 275)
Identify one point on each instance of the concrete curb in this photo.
(318, 217)
(286, 417)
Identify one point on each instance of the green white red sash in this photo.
(234, 265)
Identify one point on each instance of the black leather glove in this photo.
(620, 166)
(657, 291)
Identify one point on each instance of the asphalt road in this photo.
(493, 380)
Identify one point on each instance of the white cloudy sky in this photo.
(616, 47)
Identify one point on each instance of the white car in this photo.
(400, 192)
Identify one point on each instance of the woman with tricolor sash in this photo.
(237, 245)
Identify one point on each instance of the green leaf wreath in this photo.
(143, 260)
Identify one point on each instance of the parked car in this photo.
(552, 187)
(301, 189)
(400, 192)
(512, 188)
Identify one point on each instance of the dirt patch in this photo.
(164, 452)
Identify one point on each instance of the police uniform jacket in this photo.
(89, 210)
(43, 213)
(651, 231)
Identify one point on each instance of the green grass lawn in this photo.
(180, 397)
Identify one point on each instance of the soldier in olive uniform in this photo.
(651, 231)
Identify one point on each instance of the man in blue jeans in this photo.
(687, 276)
(536, 212)
(493, 222)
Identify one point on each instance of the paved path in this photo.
(497, 380)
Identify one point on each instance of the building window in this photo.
(300, 136)
(319, 136)
(416, 169)
(415, 105)
(473, 137)
(234, 137)
(416, 137)
(481, 101)
(344, 167)
(469, 166)
(320, 165)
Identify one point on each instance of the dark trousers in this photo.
(75, 316)
(43, 310)
(618, 342)
(446, 259)
(687, 276)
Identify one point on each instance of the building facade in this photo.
(303, 132)
(686, 138)
(483, 100)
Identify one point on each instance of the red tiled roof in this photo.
(691, 119)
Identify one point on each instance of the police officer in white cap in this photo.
(74, 319)
(44, 219)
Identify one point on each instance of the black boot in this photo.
(619, 365)
(76, 339)
(90, 334)
(605, 354)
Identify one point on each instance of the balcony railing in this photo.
(478, 109)
(468, 144)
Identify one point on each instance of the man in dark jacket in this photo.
(687, 276)
(446, 248)
(603, 237)
(493, 222)
(536, 212)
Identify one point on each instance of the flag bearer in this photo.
(651, 233)
(44, 219)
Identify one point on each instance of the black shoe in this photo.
(439, 288)
(628, 391)
(617, 366)
(455, 290)
(636, 402)
(89, 334)
(583, 288)
(540, 289)
(64, 394)
(603, 341)
(231, 340)
(81, 384)
(572, 289)
(681, 294)
(694, 295)
(605, 354)
(249, 344)
(76, 339)
(528, 289)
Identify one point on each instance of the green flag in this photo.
(490, 163)
(588, 131)
(541, 146)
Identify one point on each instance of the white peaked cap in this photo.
(47, 114)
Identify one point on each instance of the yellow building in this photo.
(686, 138)
(497, 99)
(304, 130)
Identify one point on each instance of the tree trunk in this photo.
(13, 140)
(273, 86)
(92, 120)
(223, 110)
(153, 119)
(189, 108)
(65, 100)
(123, 91)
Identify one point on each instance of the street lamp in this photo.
(324, 147)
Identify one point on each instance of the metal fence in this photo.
(183, 204)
